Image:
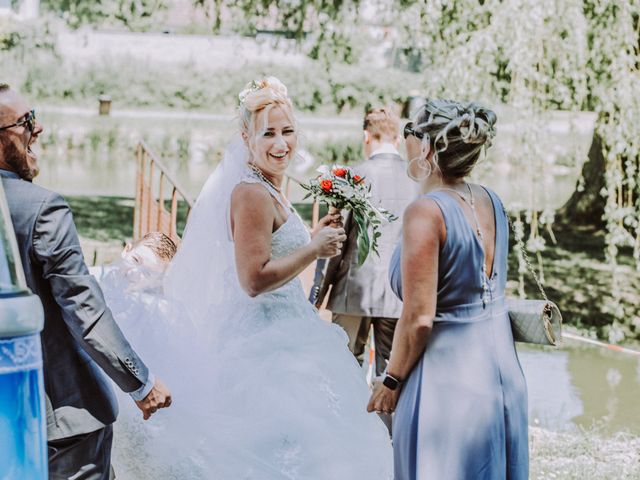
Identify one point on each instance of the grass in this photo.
(583, 455)
(103, 219)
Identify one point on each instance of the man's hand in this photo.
(158, 397)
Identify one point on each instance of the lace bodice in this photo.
(293, 233)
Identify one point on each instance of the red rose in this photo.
(357, 178)
(340, 172)
(326, 185)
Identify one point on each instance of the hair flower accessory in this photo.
(251, 87)
(339, 187)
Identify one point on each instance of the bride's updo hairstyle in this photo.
(456, 132)
(261, 96)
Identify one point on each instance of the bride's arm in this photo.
(252, 217)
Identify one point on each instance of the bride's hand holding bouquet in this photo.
(329, 235)
(331, 219)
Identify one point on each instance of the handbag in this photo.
(533, 321)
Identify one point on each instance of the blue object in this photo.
(462, 413)
(23, 434)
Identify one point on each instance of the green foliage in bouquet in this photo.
(339, 187)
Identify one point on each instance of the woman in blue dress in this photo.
(453, 379)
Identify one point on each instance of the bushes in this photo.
(188, 88)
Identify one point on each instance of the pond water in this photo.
(84, 154)
(577, 386)
(568, 388)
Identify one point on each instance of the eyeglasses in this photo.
(29, 121)
(409, 130)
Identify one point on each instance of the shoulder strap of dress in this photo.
(498, 206)
(442, 199)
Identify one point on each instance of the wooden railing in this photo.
(154, 188)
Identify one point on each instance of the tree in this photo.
(586, 205)
(133, 14)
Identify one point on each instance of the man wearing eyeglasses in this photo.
(81, 341)
(15, 142)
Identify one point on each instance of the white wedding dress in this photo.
(263, 388)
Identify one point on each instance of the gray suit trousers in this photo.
(357, 328)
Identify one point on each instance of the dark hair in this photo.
(4, 87)
(457, 133)
(161, 244)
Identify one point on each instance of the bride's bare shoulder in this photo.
(249, 191)
(252, 195)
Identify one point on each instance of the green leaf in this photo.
(363, 240)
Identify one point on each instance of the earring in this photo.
(423, 165)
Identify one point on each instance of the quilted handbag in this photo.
(534, 321)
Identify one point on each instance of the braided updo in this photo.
(456, 132)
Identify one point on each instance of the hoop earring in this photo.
(422, 165)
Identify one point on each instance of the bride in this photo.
(263, 388)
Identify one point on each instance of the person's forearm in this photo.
(276, 273)
(409, 341)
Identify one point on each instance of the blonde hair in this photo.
(261, 96)
(160, 244)
(456, 132)
(382, 123)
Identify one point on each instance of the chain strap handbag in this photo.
(533, 321)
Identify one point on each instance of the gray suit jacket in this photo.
(364, 291)
(80, 339)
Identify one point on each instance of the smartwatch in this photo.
(391, 382)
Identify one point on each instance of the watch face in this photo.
(390, 382)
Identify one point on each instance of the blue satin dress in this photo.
(462, 413)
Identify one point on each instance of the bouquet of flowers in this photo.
(339, 187)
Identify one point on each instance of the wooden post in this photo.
(137, 214)
(315, 215)
(150, 192)
(149, 202)
(173, 227)
(161, 208)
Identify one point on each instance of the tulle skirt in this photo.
(263, 389)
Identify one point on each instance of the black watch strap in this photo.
(391, 382)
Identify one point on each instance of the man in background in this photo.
(360, 296)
